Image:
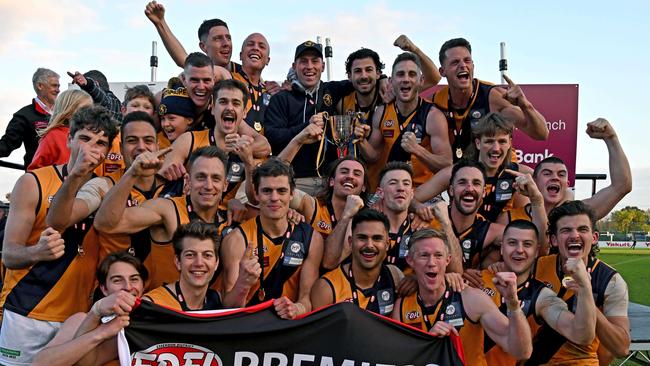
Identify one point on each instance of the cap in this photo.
(309, 46)
(176, 101)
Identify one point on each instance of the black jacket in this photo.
(22, 129)
(288, 114)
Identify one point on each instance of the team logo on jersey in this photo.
(476, 114)
(504, 185)
(450, 310)
(385, 295)
(327, 100)
(323, 225)
(176, 354)
(490, 292)
(389, 123)
(412, 315)
(236, 168)
(467, 244)
(295, 247)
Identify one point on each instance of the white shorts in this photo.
(21, 338)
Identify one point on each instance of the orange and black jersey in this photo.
(472, 242)
(280, 258)
(393, 125)
(351, 107)
(162, 140)
(499, 193)
(548, 345)
(164, 296)
(527, 294)
(258, 98)
(449, 309)
(114, 161)
(161, 258)
(520, 213)
(235, 170)
(380, 298)
(138, 244)
(324, 219)
(460, 122)
(54, 290)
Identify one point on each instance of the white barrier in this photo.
(623, 244)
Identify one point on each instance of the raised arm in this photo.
(525, 186)
(619, 170)
(260, 146)
(434, 186)
(511, 332)
(240, 269)
(336, 246)
(114, 217)
(429, 70)
(156, 14)
(514, 105)
(312, 133)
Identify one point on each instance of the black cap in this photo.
(309, 46)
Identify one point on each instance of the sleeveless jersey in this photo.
(392, 126)
(449, 309)
(138, 244)
(323, 220)
(520, 213)
(549, 346)
(258, 98)
(378, 299)
(164, 296)
(114, 161)
(162, 140)
(499, 193)
(281, 259)
(527, 294)
(235, 171)
(398, 245)
(54, 290)
(472, 242)
(461, 122)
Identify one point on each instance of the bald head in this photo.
(255, 51)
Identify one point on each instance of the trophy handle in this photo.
(356, 121)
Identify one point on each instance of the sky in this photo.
(591, 43)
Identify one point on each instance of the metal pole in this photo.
(328, 56)
(153, 61)
(503, 62)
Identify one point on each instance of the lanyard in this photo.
(181, 299)
(437, 312)
(261, 293)
(354, 289)
(396, 239)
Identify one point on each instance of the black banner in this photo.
(338, 335)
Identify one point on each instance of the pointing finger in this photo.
(508, 80)
(513, 172)
(164, 152)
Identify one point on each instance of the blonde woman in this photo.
(53, 146)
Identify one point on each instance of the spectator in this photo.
(35, 116)
(52, 148)
(94, 82)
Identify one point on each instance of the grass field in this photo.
(634, 266)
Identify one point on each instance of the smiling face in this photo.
(199, 82)
(207, 182)
(123, 276)
(458, 68)
(348, 179)
(255, 52)
(493, 150)
(519, 249)
(139, 104)
(49, 90)
(83, 137)
(229, 110)
(574, 237)
(274, 195)
(139, 136)
(197, 262)
(429, 259)
(309, 66)
(364, 75)
(552, 180)
(174, 125)
(467, 190)
(396, 189)
(218, 45)
(369, 242)
(406, 81)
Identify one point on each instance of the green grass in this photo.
(634, 266)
